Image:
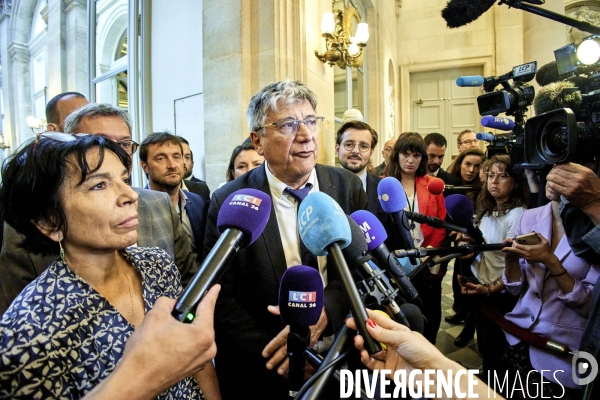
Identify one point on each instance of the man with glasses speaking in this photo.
(251, 339)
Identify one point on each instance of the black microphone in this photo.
(460, 210)
(562, 94)
(375, 236)
(375, 291)
(458, 13)
(241, 220)
(324, 229)
(462, 249)
(300, 305)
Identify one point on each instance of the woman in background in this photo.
(500, 204)
(244, 158)
(408, 164)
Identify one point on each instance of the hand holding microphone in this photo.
(241, 220)
(324, 229)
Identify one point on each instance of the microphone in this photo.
(436, 186)
(377, 291)
(324, 228)
(487, 136)
(241, 220)
(458, 13)
(504, 124)
(300, 306)
(471, 80)
(441, 251)
(392, 198)
(414, 316)
(562, 94)
(375, 236)
(460, 210)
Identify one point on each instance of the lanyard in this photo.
(411, 208)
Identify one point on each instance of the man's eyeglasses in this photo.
(362, 146)
(129, 146)
(500, 175)
(468, 142)
(290, 126)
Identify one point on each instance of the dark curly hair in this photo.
(407, 141)
(32, 178)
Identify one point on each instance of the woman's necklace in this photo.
(129, 284)
(412, 225)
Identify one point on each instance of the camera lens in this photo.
(554, 139)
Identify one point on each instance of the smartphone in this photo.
(530, 238)
(469, 279)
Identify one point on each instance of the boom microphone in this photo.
(562, 94)
(373, 286)
(375, 236)
(300, 306)
(241, 220)
(504, 124)
(324, 228)
(458, 13)
(466, 81)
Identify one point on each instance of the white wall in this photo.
(176, 68)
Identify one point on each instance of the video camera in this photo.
(568, 134)
(513, 99)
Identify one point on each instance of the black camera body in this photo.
(511, 99)
(565, 135)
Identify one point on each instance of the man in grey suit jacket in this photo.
(250, 337)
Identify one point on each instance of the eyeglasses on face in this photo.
(468, 142)
(289, 126)
(362, 146)
(500, 175)
(129, 146)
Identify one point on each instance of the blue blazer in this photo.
(196, 210)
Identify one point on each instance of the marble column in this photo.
(76, 46)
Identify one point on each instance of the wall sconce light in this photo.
(37, 125)
(2, 144)
(343, 48)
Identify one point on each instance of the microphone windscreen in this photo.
(562, 94)
(371, 228)
(247, 210)
(436, 186)
(460, 209)
(414, 316)
(488, 137)
(458, 13)
(391, 195)
(300, 296)
(504, 124)
(466, 81)
(321, 222)
(357, 247)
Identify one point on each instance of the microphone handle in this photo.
(356, 306)
(344, 339)
(385, 293)
(434, 222)
(462, 249)
(209, 273)
(391, 265)
(401, 222)
(297, 342)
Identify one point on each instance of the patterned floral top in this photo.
(60, 337)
